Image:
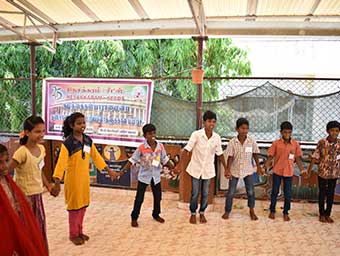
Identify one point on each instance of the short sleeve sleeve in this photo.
(230, 149)
(20, 155)
(218, 150)
(317, 152)
(272, 149)
(192, 141)
(298, 150)
(256, 149)
(135, 158)
(164, 157)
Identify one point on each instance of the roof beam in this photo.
(197, 10)
(137, 6)
(251, 10)
(313, 9)
(10, 12)
(7, 22)
(85, 9)
(174, 28)
(35, 10)
(27, 12)
(24, 37)
(3, 23)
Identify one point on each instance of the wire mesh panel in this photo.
(308, 103)
(173, 118)
(15, 104)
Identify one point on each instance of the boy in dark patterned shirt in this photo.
(327, 153)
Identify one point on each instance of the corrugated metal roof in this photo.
(112, 10)
(72, 19)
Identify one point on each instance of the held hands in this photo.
(227, 174)
(305, 173)
(177, 170)
(113, 174)
(55, 190)
(260, 170)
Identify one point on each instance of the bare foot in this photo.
(329, 219)
(272, 215)
(84, 237)
(134, 223)
(159, 219)
(77, 240)
(253, 215)
(322, 219)
(286, 217)
(203, 219)
(225, 215)
(192, 219)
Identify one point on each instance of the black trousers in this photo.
(157, 197)
(326, 190)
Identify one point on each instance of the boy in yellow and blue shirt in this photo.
(150, 155)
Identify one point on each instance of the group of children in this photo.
(22, 205)
(242, 162)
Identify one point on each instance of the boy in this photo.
(327, 153)
(285, 152)
(204, 144)
(240, 152)
(150, 155)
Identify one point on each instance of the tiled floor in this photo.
(107, 222)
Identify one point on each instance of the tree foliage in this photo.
(115, 58)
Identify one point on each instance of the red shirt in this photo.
(284, 156)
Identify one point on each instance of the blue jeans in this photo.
(195, 183)
(287, 190)
(249, 183)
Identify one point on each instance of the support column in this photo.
(33, 79)
(199, 101)
(185, 178)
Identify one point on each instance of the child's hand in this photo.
(113, 175)
(177, 170)
(305, 174)
(55, 190)
(227, 174)
(260, 171)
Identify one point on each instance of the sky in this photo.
(291, 57)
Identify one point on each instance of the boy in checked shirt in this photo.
(241, 151)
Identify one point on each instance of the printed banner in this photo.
(104, 178)
(115, 110)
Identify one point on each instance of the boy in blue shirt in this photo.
(150, 156)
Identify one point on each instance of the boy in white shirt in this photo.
(203, 144)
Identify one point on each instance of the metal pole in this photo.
(199, 102)
(33, 79)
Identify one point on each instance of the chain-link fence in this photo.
(308, 103)
(15, 103)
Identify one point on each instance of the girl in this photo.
(20, 232)
(27, 163)
(74, 160)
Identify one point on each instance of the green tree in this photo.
(115, 58)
